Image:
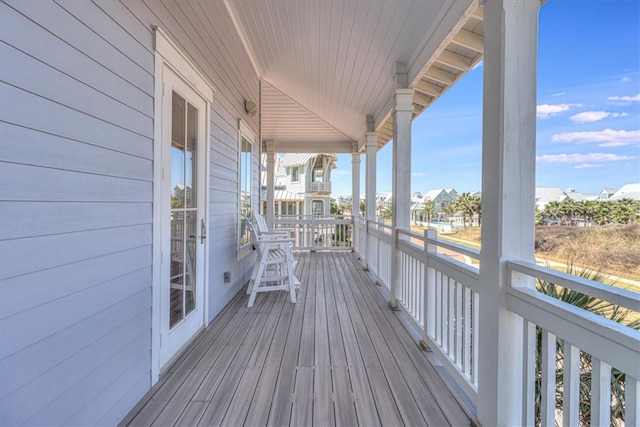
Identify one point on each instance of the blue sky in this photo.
(588, 133)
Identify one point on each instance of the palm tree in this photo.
(449, 209)
(539, 216)
(553, 210)
(363, 207)
(589, 210)
(427, 209)
(625, 211)
(594, 305)
(604, 213)
(465, 204)
(386, 214)
(477, 208)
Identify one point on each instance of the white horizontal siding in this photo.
(76, 166)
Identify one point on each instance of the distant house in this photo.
(384, 200)
(545, 195)
(606, 193)
(441, 198)
(302, 184)
(627, 191)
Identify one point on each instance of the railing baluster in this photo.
(467, 332)
(451, 315)
(571, 386)
(600, 393)
(548, 387)
(458, 324)
(475, 335)
(632, 400)
(529, 369)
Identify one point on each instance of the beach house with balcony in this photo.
(122, 296)
(303, 184)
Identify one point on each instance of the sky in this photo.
(588, 108)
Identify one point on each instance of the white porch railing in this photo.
(441, 297)
(379, 251)
(318, 233)
(320, 187)
(578, 347)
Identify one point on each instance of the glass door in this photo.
(184, 228)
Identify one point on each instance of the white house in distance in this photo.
(441, 198)
(627, 191)
(544, 195)
(111, 288)
(302, 184)
(606, 193)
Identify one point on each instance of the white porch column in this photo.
(355, 198)
(508, 188)
(271, 184)
(401, 201)
(371, 144)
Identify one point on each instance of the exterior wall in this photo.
(298, 186)
(76, 197)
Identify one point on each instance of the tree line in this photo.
(567, 212)
(594, 212)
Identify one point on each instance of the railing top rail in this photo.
(411, 234)
(380, 226)
(603, 338)
(464, 250)
(313, 221)
(612, 294)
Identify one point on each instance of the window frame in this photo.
(245, 133)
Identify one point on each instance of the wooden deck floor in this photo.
(339, 356)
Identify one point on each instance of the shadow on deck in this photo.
(337, 357)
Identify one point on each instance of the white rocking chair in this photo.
(274, 266)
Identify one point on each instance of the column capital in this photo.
(355, 157)
(371, 140)
(403, 100)
(269, 146)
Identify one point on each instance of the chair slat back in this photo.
(260, 222)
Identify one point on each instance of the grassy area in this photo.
(609, 250)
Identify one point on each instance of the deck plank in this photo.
(440, 404)
(337, 357)
(322, 390)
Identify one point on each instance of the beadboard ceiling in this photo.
(327, 64)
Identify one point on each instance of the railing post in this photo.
(429, 294)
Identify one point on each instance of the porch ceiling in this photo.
(326, 65)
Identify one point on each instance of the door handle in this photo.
(203, 231)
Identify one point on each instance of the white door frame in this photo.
(168, 55)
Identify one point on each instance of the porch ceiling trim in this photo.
(456, 55)
(291, 124)
(326, 66)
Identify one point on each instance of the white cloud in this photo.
(624, 100)
(626, 79)
(544, 111)
(559, 94)
(594, 116)
(586, 166)
(419, 174)
(341, 172)
(587, 158)
(606, 138)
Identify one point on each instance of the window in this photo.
(245, 172)
(317, 208)
(295, 174)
